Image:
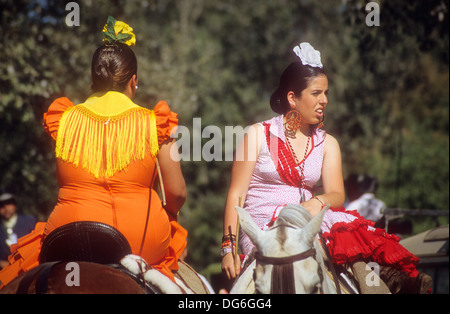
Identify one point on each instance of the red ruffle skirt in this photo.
(350, 237)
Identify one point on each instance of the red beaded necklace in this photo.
(286, 161)
(302, 165)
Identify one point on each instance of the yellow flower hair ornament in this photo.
(117, 31)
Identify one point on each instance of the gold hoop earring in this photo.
(321, 123)
(293, 123)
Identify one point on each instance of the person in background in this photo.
(13, 226)
(361, 190)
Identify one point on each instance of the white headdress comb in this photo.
(308, 55)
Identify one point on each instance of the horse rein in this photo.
(283, 271)
(284, 260)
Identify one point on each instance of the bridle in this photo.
(283, 271)
(266, 260)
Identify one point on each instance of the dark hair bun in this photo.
(112, 67)
(275, 102)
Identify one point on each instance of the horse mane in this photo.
(293, 215)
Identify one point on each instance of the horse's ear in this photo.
(249, 226)
(314, 226)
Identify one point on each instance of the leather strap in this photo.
(41, 285)
(284, 260)
(330, 264)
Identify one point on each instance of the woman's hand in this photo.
(230, 267)
(313, 206)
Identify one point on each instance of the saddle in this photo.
(82, 241)
(85, 241)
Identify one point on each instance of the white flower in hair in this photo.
(308, 55)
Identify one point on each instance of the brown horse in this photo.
(90, 257)
(95, 278)
(75, 278)
(80, 257)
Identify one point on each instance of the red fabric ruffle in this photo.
(283, 159)
(349, 241)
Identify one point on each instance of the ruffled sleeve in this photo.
(54, 114)
(166, 121)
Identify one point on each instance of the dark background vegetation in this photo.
(220, 61)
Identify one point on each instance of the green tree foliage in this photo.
(401, 101)
(220, 61)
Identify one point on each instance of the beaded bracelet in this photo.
(228, 237)
(315, 197)
(227, 247)
(228, 243)
(224, 251)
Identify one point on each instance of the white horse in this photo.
(187, 280)
(288, 258)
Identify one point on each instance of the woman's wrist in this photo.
(319, 200)
(313, 206)
(228, 244)
(226, 251)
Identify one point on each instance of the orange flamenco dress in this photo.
(106, 150)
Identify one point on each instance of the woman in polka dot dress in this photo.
(280, 162)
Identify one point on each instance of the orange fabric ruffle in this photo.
(24, 255)
(54, 114)
(166, 121)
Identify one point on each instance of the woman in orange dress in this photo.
(106, 150)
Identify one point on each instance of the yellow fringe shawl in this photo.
(105, 145)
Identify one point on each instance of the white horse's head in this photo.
(286, 255)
